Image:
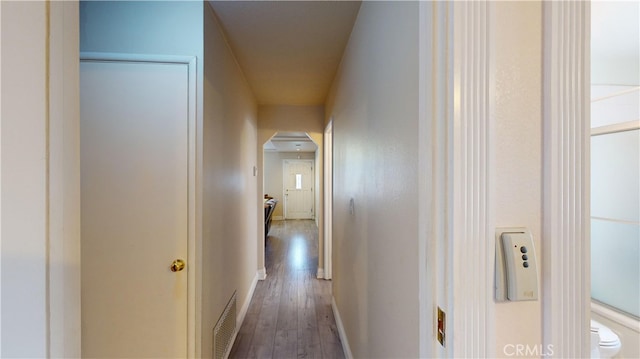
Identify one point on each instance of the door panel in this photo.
(298, 190)
(134, 168)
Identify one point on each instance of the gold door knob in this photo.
(177, 265)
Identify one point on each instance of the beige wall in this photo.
(230, 229)
(39, 176)
(24, 182)
(273, 184)
(374, 107)
(281, 118)
(374, 104)
(518, 28)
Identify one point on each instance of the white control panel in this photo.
(516, 265)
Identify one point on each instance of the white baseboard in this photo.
(320, 274)
(277, 218)
(262, 274)
(243, 312)
(247, 301)
(343, 336)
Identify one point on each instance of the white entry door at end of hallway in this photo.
(298, 181)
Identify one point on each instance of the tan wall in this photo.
(230, 229)
(281, 118)
(374, 104)
(273, 182)
(518, 27)
(375, 160)
(39, 176)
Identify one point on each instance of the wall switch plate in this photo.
(516, 272)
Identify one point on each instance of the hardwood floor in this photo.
(290, 313)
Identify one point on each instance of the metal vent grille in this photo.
(224, 330)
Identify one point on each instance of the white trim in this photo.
(622, 221)
(1, 188)
(618, 127)
(615, 94)
(615, 316)
(243, 312)
(328, 201)
(320, 274)
(433, 97)
(262, 273)
(343, 335)
(566, 188)
(193, 237)
(471, 327)
(152, 58)
(247, 301)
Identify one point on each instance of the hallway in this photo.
(290, 313)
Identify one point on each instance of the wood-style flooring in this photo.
(290, 313)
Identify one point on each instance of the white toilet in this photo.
(604, 342)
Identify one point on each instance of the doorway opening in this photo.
(289, 175)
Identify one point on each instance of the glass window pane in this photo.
(615, 176)
(615, 273)
(298, 181)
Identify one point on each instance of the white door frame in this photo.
(328, 197)
(284, 185)
(434, 23)
(566, 253)
(470, 229)
(194, 260)
(457, 101)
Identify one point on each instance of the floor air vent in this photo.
(224, 329)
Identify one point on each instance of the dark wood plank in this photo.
(309, 343)
(324, 312)
(330, 341)
(308, 335)
(286, 344)
(288, 311)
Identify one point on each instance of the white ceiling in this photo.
(288, 50)
(290, 142)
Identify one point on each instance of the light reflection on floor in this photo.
(297, 252)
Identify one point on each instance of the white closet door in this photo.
(134, 167)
